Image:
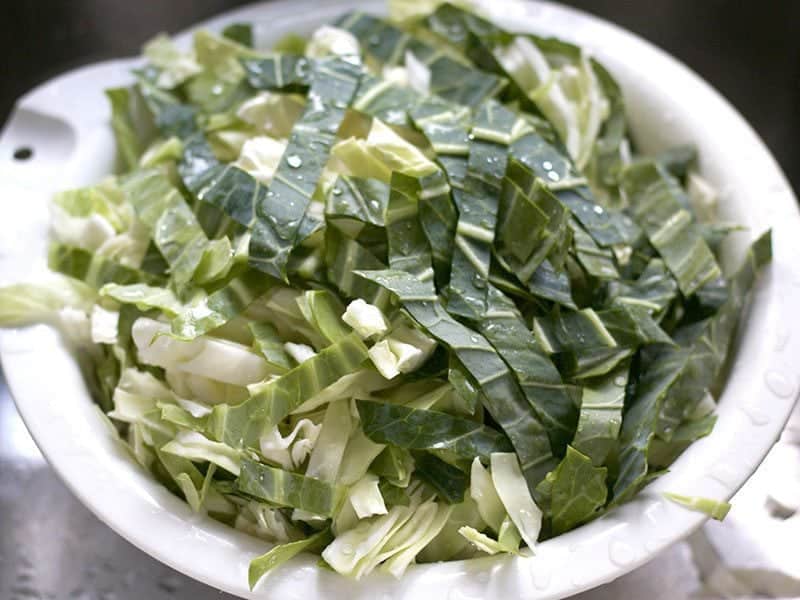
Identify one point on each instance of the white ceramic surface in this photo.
(66, 122)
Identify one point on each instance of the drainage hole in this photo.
(23, 153)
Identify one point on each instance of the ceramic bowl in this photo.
(66, 122)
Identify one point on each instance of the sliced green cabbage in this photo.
(716, 509)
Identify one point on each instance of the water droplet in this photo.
(294, 161)
(620, 381)
(474, 339)
(478, 281)
(217, 90)
(553, 176)
(374, 204)
(456, 31)
(541, 578)
(779, 384)
(723, 473)
(347, 549)
(470, 137)
(620, 553)
(547, 165)
(336, 191)
(653, 545)
(599, 210)
(756, 415)
(299, 176)
(301, 68)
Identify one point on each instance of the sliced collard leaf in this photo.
(606, 226)
(171, 117)
(418, 429)
(449, 482)
(220, 84)
(530, 221)
(705, 345)
(241, 33)
(530, 367)
(385, 100)
(395, 466)
(654, 290)
(477, 206)
(678, 160)
(452, 79)
(551, 284)
(285, 488)
(221, 306)
(280, 210)
(344, 256)
(363, 201)
(597, 262)
(467, 392)
(671, 386)
(285, 72)
(660, 206)
(640, 419)
(225, 186)
(600, 419)
(579, 491)
(95, 269)
(500, 392)
(408, 246)
(271, 401)
(553, 401)
(445, 126)
(591, 343)
(612, 148)
(587, 329)
(172, 224)
(662, 454)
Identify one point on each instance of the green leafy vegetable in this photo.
(282, 553)
(715, 509)
(402, 292)
(579, 491)
(279, 211)
(270, 402)
(288, 489)
(417, 429)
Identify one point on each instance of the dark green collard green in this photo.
(280, 209)
(675, 381)
(454, 80)
(501, 394)
(449, 482)
(660, 205)
(417, 429)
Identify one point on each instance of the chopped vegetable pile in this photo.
(401, 292)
